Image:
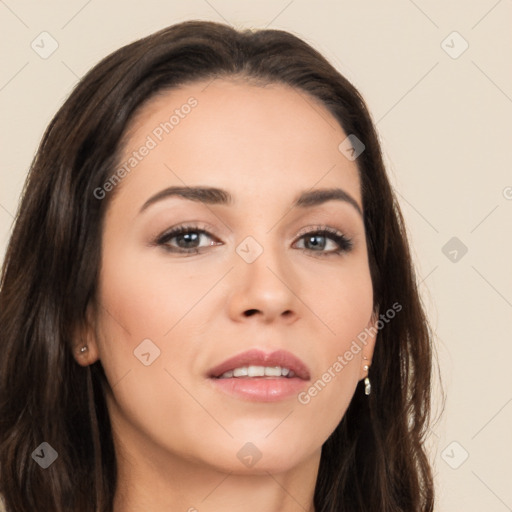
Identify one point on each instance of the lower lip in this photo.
(260, 389)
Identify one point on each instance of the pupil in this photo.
(188, 239)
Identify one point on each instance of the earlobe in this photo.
(85, 352)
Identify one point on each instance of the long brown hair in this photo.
(374, 460)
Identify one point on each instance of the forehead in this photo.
(234, 134)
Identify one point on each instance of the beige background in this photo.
(444, 121)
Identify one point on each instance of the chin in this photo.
(262, 456)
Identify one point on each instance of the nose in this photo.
(264, 291)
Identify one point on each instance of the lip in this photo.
(259, 358)
(261, 389)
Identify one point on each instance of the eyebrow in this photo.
(217, 196)
(320, 196)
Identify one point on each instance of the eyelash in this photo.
(344, 243)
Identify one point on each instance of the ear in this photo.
(85, 344)
(368, 345)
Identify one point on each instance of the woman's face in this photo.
(252, 275)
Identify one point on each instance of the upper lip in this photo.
(256, 357)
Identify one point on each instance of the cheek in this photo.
(345, 308)
(148, 307)
(142, 324)
(150, 298)
(343, 302)
(137, 304)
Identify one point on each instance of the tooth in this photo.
(240, 372)
(273, 371)
(256, 371)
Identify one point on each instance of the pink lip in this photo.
(261, 389)
(256, 357)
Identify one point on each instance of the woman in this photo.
(208, 300)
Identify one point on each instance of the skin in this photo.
(176, 436)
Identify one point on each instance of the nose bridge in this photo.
(263, 255)
(263, 281)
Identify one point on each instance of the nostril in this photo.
(251, 312)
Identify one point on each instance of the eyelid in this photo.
(318, 227)
(201, 227)
(321, 228)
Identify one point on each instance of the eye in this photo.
(324, 241)
(186, 239)
(191, 239)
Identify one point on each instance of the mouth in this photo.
(258, 371)
(258, 376)
(256, 363)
